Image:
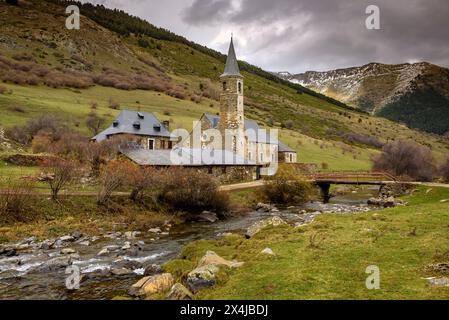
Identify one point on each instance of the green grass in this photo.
(336, 268)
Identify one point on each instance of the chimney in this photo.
(166, 124)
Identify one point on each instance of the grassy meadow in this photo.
(333, 265)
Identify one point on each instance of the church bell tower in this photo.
(232, 118)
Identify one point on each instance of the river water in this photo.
(36, 273)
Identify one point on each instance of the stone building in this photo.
(141, 127)
(239, 135)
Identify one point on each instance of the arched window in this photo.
(240, 87)
(224, 86)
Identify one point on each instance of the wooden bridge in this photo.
(324, 179)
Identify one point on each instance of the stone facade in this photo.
(288, 157)
(232, 119)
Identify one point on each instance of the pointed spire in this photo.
(232, 67)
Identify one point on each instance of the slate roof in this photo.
(284, 148)
(249, 125)
(185, 157)
(232, 67)
(136, 123)
(252, 125)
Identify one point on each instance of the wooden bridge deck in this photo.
(352, 177)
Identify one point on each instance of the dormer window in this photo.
(157, 128)
(136, 125)
(115, 123)
(140, 115)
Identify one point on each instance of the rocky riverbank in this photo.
(111, 262)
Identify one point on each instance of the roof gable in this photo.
(136, 123)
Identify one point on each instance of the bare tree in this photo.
(59, 173)
(113, 176)
(94, 122)
(406, 158)
(444, 170)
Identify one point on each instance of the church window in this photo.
(240, 87)
(224, 86)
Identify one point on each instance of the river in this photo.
(37, 273)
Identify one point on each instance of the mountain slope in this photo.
(416, 94)
(48, 69)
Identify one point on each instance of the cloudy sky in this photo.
(301, 35)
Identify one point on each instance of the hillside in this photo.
(47, 69)
(415, 94)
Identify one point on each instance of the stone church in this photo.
(241, 136)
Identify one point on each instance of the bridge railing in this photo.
(356, 176)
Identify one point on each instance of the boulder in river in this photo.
(206, 216)
(121, 271)
(179, 292)
(152, 270)
(67, 238)
(8, 252)
(263, 207)
(158, 283)
(259, 225)
(155, 230)
(58, 262)
(130, 235)
(68, 251)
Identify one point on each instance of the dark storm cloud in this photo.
(201, 10)
(323, 34)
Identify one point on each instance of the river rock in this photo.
(67, 251)
(67, 238)
(179, 292)
(212, 258)
(155, 230)
(267, 251)
(206, 216)
(158, 283)
(47, 244)
(8, 252)
(113, 235)
(202, 277)
(126, 246)
(121, 271)
(263, 207)
(152, 270)
(130, 235)
(259, 225)
(85, 243)
(103, 252)
(58, 262)
(76, 235)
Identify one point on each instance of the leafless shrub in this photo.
(59, 173)
(363, 139)
(444, 170)
(288, 124)
(3, 90)
(94, 122)
(24, 134)
(113, 104)
(113, 176)
(16, 201)
(190, 190)
(286, 187)
(406, 158)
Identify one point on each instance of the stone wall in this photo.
(231, 174)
